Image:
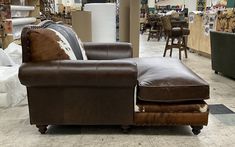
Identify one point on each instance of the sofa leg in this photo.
(125, 129)
(42, 128)
(196, 129)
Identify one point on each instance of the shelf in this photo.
(15, 15)
(21, 11)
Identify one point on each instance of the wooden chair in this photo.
(177, 34)
(155, 30)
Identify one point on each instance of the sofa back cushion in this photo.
(70, 36)
(51, 41)
(47, 44)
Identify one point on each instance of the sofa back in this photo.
(223, 52)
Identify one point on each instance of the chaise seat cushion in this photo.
(168, 80)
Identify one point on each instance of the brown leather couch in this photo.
(112, 88)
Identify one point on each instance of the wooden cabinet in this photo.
(198, 40)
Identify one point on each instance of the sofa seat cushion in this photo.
(168, 80)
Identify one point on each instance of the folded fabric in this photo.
(14, 51)
(12, 93)
(5, 60)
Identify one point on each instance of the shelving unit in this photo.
(168, 8)
(14, 16)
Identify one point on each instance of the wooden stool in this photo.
(178, 34)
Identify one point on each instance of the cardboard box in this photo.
(81, 23)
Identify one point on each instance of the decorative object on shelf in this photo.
(226, 22)
(209, 23)
(201, 5)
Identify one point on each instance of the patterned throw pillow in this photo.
(71, 36)
(47, 44)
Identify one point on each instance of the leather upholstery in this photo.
(40, 52)
(67, 32)
(79, 73)
(189, 106)
(108, 51)
(80, 92)
(168, 80)
(94, 92)
(171, 118)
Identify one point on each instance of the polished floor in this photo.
(15, 129)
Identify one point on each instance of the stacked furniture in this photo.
(156, 26)
(20, 18)
(110, 88)
(14, 16)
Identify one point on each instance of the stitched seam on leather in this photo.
(58, 73)
(107, 52)
(96, 73)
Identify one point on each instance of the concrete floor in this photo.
(15, 129)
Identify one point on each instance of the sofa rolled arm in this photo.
(79, 73)
(108, 51)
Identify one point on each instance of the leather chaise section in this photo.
(168, 80)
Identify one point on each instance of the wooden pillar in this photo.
(135, 26)
(129, 23)
(124, 21)
(81, 23)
